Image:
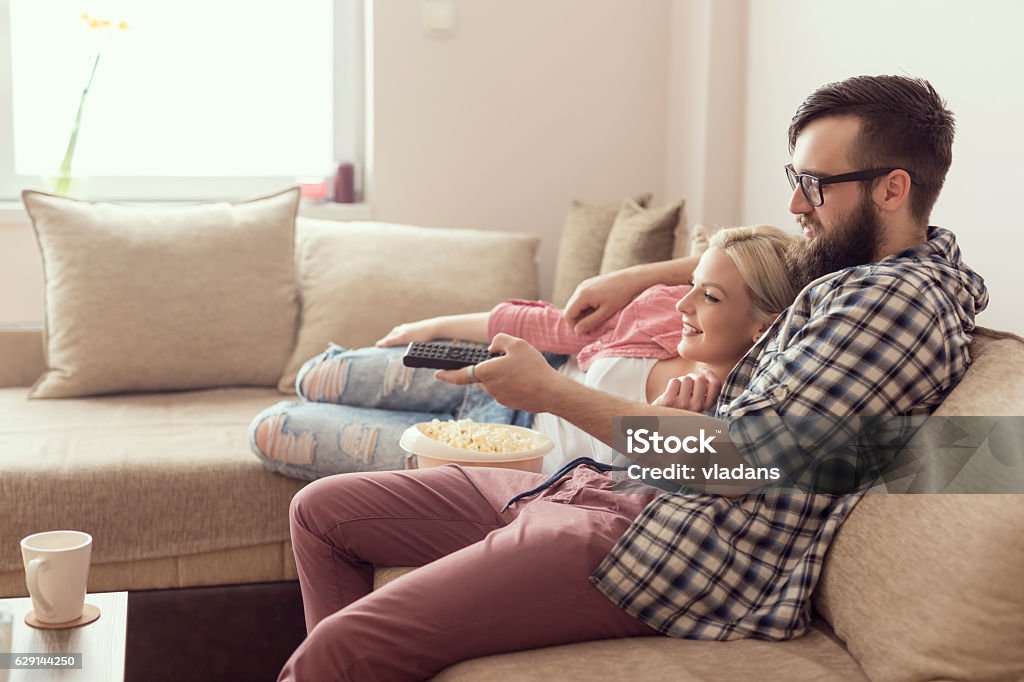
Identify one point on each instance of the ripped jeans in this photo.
(355, 405)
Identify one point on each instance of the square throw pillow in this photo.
(581, 247)
(169, 298)
(360, 279)
(643, 235)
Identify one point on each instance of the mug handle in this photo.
(32, 573)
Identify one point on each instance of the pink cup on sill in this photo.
(312, 189)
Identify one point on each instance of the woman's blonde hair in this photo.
(759, 253)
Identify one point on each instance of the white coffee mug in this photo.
(56, 573)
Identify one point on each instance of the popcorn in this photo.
(469, 435)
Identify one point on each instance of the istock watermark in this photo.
(822, 454)
(643, 441)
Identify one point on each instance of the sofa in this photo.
(915, 587)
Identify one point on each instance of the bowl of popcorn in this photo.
(478, 444)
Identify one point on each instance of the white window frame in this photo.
(352, 51)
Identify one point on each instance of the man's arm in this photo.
(598, 298)
(523, 380)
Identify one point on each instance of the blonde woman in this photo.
(356, 403)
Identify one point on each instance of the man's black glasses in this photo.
(812, 185)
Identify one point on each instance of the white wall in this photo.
(536, 102)
(21, 274)
(706, 90)
(971, 52)
(531, 104)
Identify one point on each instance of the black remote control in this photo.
(440, 355)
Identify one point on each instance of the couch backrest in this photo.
(21, 355)
(924, 587)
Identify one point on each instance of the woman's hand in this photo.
(597, 298)
(693, 392)
(404, 334)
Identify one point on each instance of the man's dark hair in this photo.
(904, 124)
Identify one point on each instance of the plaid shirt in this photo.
(889, 338)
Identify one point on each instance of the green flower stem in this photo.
(63, 182)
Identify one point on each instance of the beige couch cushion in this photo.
(815, 657)
(149, 476)
(923, 587)
(359, 280)
(21, 355)
(644, 235)
(929, 586)
(994, 385)
(581, 246)
(155, 299)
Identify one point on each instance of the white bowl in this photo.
(433, 453)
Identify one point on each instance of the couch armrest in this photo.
(21, 355)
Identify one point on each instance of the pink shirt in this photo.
(649, 327)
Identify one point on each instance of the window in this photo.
(188, 100)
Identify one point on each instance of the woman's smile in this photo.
(689, 329)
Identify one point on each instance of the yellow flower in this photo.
(63, 178)
(97, 23)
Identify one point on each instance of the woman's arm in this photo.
(598, 298)
(468, 326)
(540, 323)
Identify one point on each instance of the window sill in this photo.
(13, 212)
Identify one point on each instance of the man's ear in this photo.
(893, 190)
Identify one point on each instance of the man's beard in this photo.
(854, 240)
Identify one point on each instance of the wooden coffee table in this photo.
(101, 643)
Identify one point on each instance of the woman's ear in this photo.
(764, 326)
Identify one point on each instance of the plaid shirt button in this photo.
(780, 393)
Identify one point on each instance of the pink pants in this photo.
(496, 581)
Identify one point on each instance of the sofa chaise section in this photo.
(164, 482)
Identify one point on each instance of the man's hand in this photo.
(694, 392)
(521, 379)
(598, 298)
